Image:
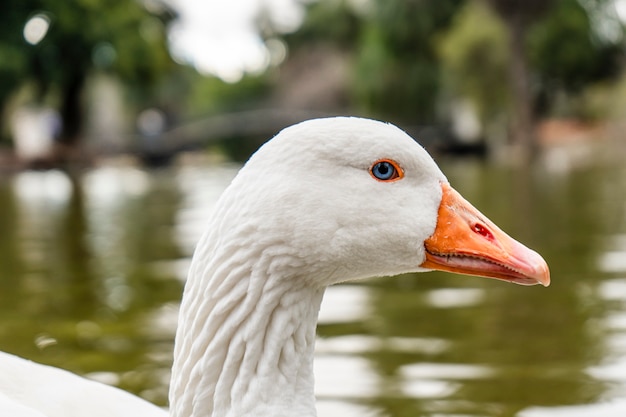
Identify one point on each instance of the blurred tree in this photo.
(511, 58)
(391, 47)
(319, 65)
(13, 60)
(474, 54)
(568, 55)
(518, 16)
(329, 21)
(559, 55)
(398, 72)
(123, 37)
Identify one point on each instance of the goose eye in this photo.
(386, 170)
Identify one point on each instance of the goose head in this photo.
(355, 198)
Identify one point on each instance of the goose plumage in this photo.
(324, 201)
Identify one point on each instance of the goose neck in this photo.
(245, 344)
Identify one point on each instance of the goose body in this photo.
(325, 201)
(31, 389)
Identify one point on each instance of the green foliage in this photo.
(83, 30)
(410, 54)
(406, 55)
(209, 95)
(565, 53)
(333, 21)
(475, 55)
(398, 73)
(371, 73)
(116, 36)
(564, 57)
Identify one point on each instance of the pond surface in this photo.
(92, 268)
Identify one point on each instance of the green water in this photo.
(92, 268)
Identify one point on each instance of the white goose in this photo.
(325, 201)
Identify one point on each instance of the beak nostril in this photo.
(483, 231)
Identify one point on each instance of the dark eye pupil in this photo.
(383, 170)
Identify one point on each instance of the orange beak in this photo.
(466, 242)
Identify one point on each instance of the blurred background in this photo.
(122, 121)
(155, 77)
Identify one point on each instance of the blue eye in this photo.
(386, 170)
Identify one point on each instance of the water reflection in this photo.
(93, 266)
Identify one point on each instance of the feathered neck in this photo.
(246, 333)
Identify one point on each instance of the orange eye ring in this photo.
(386, 170)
